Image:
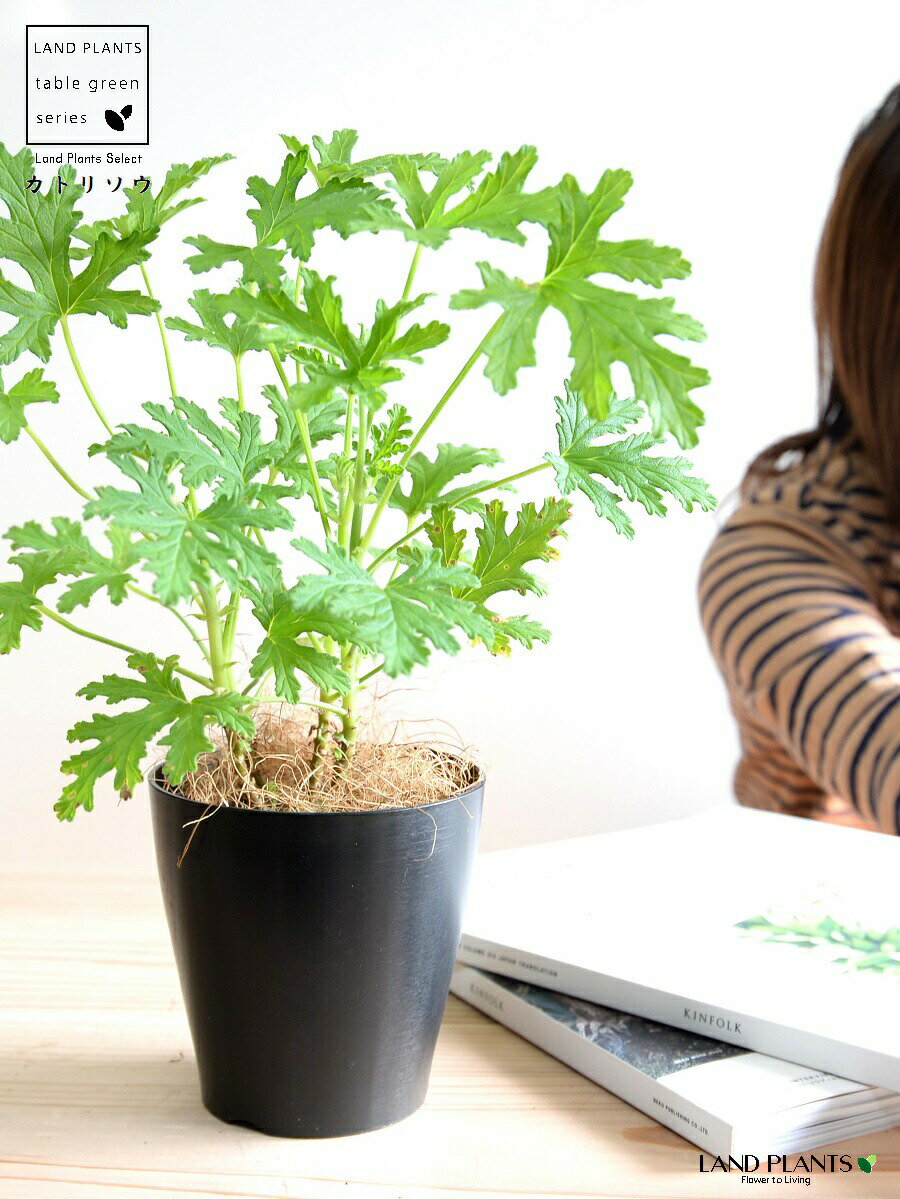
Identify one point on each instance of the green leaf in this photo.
(19, 600)
(146, 212)
(282, 651)
(37, 236)
(32, 388)
(336, 157)
(238, 337)
(611, 326)
(320, 323)
(605, 326)
(625, 463)
(186, 548)
(227, 454)
(384, 343)
(498, 205)
(517, 628)
(96, 571)
(444, 536)
(503, 553)
(416, 610)
(347, 206)
(510, 346)
(429, 480)
(259, 264)
(390, 441)
(121, 739)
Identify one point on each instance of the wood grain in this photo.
(99, 1095)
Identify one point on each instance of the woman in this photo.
(800, 592)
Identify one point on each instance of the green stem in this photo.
(173, 390)
(371, 674)
(359, 477)
(468, 494)
(128, 649)
(147, 595)
(413, 266)
(57, 466)
(346, 502)
(239, 376)
(223, 679)
(320, 705)
(79, 371)
(303, 426)
(231, 616)
(428, 422)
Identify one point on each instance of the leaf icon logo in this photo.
(116, 120)
(866, 1163)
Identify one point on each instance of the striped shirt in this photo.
(800, 598)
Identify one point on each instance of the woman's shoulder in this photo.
(830, 499)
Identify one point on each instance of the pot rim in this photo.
(153, 775)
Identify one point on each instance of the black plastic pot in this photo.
(315, 954)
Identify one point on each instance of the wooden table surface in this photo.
(99, 1094)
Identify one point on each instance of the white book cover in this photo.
(728, 1101)
(770, 932)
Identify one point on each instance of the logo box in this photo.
(76, 74)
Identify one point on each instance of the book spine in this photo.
(649, 1095)
(690, 1013)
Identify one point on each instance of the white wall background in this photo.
(733, 119)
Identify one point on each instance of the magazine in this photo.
(770, 932)
(724, 1099)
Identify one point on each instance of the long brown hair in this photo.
(857, 311)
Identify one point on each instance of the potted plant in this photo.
(313, 878)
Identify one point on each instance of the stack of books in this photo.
(735, 975)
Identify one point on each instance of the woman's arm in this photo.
(803, 646)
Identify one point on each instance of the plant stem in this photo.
(173, 390)
(428, 422)
(469, 494)
(359, 477)
(303, 703)
(413, 266)
(128, 649)
(79, 371)
(234, 605)
(147, 595)
(223, 679)
(239, 376)
(303, 426)
(57, 466)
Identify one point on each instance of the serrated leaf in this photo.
(20, 600)
(185, 547)
(430, 479)
(390, 440)
(417, 609)
(237, 337)
(517, 628)
(498, 205)
(227, 454)
(96, 571)
(625, 463)
(336, 157)
(605, 326)
(503, 553)
(345, 205)
(37, 236)
(121, 739)
(510, 346)
(444, 535)
(282, 651)
(259, 264)
(32, 388)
